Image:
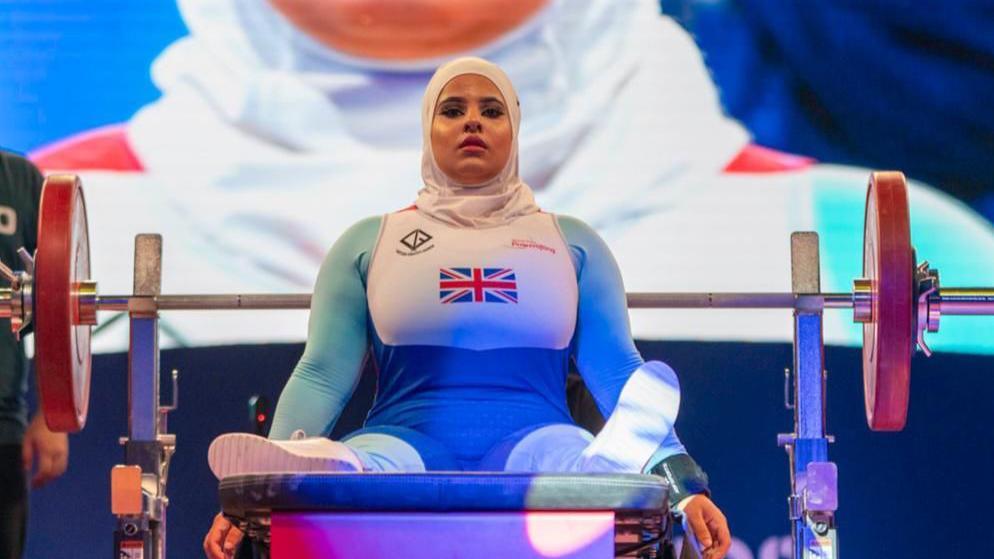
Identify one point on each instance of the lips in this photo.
(473, 141)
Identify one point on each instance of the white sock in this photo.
(644, 416)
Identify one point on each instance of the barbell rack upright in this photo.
(147, 445)
(813, 499)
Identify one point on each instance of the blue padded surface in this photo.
(251, 495)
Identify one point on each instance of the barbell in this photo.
(896, 301)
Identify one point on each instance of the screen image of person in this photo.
(280, 123)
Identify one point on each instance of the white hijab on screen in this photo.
(494, 202)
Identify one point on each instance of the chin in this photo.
(473, 176)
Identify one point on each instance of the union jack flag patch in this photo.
(477, 285)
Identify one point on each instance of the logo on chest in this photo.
(477, 285)
(534, 245)
(415, 242)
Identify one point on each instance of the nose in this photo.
(473, 126)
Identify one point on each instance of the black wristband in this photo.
(684, 477)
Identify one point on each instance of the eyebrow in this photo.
(463, 100)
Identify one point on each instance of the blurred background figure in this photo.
(30, 454)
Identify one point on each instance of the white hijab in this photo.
(494, 202)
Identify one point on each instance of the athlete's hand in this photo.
(222, 539)
(44, 451)
(703, 518)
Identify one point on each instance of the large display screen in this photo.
(252, 133)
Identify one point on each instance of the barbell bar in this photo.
(897, 301)
(951, 301)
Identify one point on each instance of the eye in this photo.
(450, 112)
(493, 112)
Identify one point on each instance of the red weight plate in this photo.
(888, 262)
(62, 345)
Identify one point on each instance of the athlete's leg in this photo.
(641, 423)
(399, 449)
(553, 447)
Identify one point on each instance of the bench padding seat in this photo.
(251, 495)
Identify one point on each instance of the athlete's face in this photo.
(406, 29)
(471, 130)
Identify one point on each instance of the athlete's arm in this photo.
(606, 356)
(603, 348)
(337, 341)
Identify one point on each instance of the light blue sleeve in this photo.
(602, 346)
(337, 340)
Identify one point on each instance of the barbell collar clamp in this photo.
(862, 301)
(85, 295)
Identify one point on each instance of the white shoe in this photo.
(244, 453)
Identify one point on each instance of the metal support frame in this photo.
(147, 445)
(814, 493)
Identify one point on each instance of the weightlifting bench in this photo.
(446, 514)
